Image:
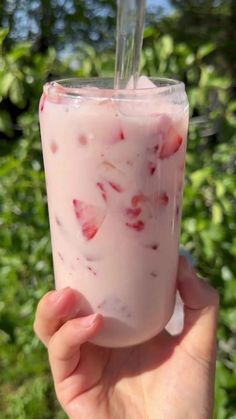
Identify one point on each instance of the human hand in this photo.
(165, 378)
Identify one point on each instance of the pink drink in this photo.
(114, 166)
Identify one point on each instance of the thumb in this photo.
(201, 306)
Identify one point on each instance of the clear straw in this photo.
(130, 26)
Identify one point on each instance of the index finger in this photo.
(53, 310)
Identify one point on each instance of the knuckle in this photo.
(62, 334)
(69, 333)
(57, 340)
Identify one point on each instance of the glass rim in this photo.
(95, 87)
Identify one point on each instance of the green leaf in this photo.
(229, 316)
(16, 93)
(220, 189)
(148, 32)
(232, 106)
(3, 34)
(209, 78)
(6, 126)
(217, 214)
(205, 50)
(226, 273)
(200, 176)
(21, 50)
(167, 44)
(6, 81)
(183, 50)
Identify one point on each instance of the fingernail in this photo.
(88, 321)
(56, 295)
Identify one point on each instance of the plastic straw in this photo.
(130, 26)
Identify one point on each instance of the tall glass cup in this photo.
(114, 163)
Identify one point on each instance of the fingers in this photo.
(57, 326)
(64, 346)
(53, 310)
(201, 305)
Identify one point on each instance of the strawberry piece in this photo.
(83, 139)
(151, 168)
(78, 207)
(116, 187)
(171, 144)
(138, 199)
(103, 191)
(164, 198)
(153, 246)
(119, 136)
(89, 230)
(133, 212)
(122, 136)
(42, 102)
(90, 218)
(138, 225)
(156, 148)
(54, 147)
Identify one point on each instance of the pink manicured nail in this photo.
(88, 321)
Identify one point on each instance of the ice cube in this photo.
(143, 83)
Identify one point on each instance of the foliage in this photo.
(209, 223)
(55, 22)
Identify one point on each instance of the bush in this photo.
(209, 223)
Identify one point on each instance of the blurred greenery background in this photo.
(192, 40)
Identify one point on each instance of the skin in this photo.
(168, 377)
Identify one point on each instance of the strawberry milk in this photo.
(114, 163)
